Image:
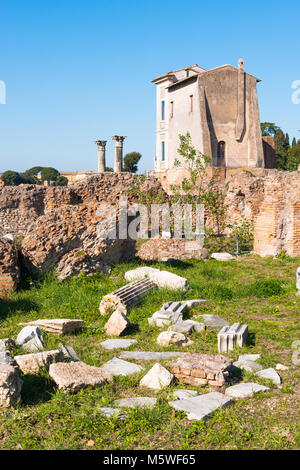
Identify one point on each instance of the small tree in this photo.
(131, 162)
(11, 178)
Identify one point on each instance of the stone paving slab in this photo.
(202, 406)
(111, 344)
(111, 412)
(270, 374)
(250, 366)
(245, 390)
(182, 394)
(117, 366)
(213, 321)
(72, 376)
(136, 402)
(149, 355)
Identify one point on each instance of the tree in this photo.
(49, 174)
(61, 181)
(108, 168)
(131, 162)
(11, 178)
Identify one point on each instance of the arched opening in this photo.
(221, 153)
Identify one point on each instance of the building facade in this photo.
(218, 107)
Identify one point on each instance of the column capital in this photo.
(101, 143)
(119, 139)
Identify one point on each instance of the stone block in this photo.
(10, 386)
(73, 376)
(60, 326)
(249, 357)
(250, 366)
(5, 358)
(117, 323)
(231, 336)
(149, 355)
(223, 257)
(7, 344)
(202, 406)
(157, 378)
(212, 321)
(32, 363)
(160, 278)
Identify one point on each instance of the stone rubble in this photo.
(203, 406)
(73, 376)
(68, 353)
(182, 394)
(117, 323)
(230, 337)
(223, 257)
(188, 326)
(30, 339)
(249, 366)
(281, 367)
(202, 369)
(5, 358)
(157, 378)
(61, 326)
(249, 357)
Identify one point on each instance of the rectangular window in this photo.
(162, 110)
(172, 109)
(191, 103)
(163, 151)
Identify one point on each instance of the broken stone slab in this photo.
(61, 326)
(157, 378)
(73, 376)
(270, 374)
(202, 406)
(245, 390)
(111, 344)
(111, 412)
(119, 367)
(188, 326)
(5, 358)
(231, 336)
(136, 402)
(194, 302)
(201, 369)
(126, 297)
(249, 357)
(213, 321)
(250, 366)
(168, 338)
(149, 355)
(160, 278)
(32, 363)
(31, 339)
(7, 344)
(68, 353)
(182, 394)
(10, 386)
(223, 257)
(117, 323)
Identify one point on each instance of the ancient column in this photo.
(101, 155)
(118, 152)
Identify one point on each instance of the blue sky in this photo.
(77, 71)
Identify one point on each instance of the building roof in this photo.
(198, 70)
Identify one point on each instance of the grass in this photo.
(256, 291)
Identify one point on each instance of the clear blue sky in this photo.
(77, 71)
